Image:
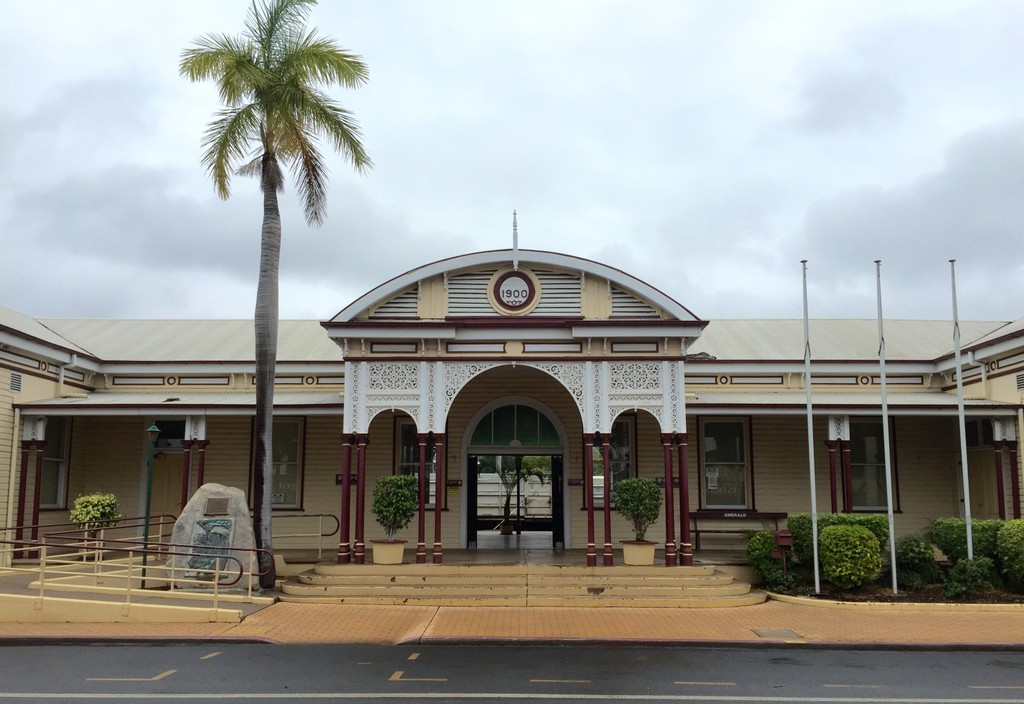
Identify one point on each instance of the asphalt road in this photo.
(244, 672)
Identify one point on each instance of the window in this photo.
(55, 463)
(287, 489)
(407, 454)
(979, 432)
(172, 433)
(620, 453)
(724, 464)
(867, 466)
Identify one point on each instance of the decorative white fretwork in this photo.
(601, 391)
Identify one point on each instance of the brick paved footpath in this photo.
(788, 621)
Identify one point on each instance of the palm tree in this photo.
(274, 115)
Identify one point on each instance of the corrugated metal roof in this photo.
(194, 340)
(36, 329)
(307, 341)
(775, 340)
(177, 402)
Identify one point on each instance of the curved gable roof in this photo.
(526, 258)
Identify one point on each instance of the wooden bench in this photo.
(740, 521)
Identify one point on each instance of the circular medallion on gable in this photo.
(513, 292)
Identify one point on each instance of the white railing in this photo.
(321, 520)
(99, 561)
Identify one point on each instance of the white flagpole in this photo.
(885, 430)
(960, 414)
(515, 242)
(810, 435)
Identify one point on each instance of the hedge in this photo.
(950, 535)
(799, 525)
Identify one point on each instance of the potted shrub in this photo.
(638, 499)
(91, 512)
(395, 502)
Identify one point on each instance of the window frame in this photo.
(412, 467)
(629, 422)
(748, 464)
(299, 462)
(61, 479)
(862, 421)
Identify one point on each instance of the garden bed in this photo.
(930, 594)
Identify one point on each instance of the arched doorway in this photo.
(514, 472)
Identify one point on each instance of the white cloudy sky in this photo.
(705, 147)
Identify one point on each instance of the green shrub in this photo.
(638, 499)
(759, 554)
(759, 550)
(799, 525)
(94, 511)
(969, 577)
(395, 502)
(950, 534)
(850, 555)
(1010, 547)
(915, 563)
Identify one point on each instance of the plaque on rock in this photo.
(209, 545)
(214, 536)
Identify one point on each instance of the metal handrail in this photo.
(64, 554)
(320, 520)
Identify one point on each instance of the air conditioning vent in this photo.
(1020, 382)
(16, 382)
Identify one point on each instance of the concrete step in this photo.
(520, 585)
(751, 598)
(613, 592)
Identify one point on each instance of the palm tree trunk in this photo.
(266, 360)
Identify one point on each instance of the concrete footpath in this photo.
(785, 620)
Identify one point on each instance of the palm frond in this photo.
(308, 169)
(226, 140)
(312, 59)
(269, 22)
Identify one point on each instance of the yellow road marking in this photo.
(414, 656)
(131, 679)
(710, 684)
(398, 677)
(562, 681)
(211, 655)
(854, 686)
(995, 686)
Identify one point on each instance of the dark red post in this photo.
(588, 488)
(685, 546)
(671, 557)
(344, 537)
(439, 467)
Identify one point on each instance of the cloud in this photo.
(970, 210)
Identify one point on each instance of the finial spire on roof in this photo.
(515, 242)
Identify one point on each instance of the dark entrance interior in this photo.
(513, 494)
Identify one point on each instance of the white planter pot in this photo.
(638, 553)
(388, 552)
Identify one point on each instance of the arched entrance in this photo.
(514, 478)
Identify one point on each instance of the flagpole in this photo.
(885, 429)
(810, 434)
(960, 415)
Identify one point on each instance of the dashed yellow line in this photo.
(211, 655)
(398, 676)
(854, 686)
(413, 656)
(562, 681)
(162, 675)
(995, 686)
(710, 684)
